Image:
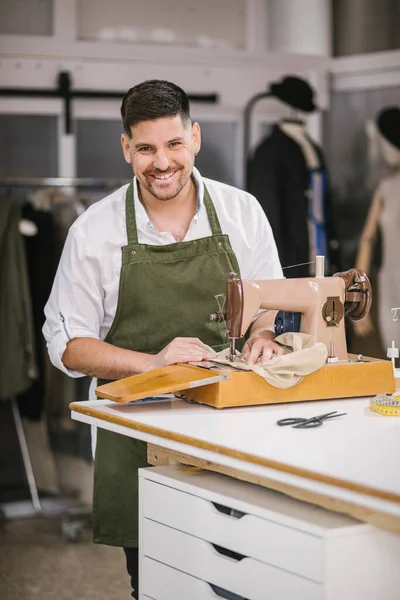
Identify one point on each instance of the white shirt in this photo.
(84, 297)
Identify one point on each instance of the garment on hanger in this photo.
(18, 367)
(317, 214)
(41, 258)
(61, 209)
(296, 201)
(389, 273)
(51, 211)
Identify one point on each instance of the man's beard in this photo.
(179, 183)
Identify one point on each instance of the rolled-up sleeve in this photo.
(75, 306)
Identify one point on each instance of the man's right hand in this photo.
(181, 349)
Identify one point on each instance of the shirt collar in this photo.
(142, 218)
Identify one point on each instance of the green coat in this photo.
(17, 344)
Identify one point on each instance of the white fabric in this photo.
(84, 297)
(305, 356)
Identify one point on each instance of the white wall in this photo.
(300, 26)
(219, 46)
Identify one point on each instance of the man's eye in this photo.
(144, 149)
(175, 144)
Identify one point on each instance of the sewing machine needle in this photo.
(232, 349)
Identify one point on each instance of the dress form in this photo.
(384, 213)
(297, 131)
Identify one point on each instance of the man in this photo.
(138, 278)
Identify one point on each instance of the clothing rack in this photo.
(67, 508)
(247, 114)
(73, 513)
(81, 182)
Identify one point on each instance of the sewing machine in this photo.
(323, 304)
(322, 301)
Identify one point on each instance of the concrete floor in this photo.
(36, 563)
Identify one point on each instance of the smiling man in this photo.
(138, 278)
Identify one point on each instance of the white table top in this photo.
(354, 458)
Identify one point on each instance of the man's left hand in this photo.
(261, 346)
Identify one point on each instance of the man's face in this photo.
(161, 153)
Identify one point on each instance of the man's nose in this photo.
(161, 161)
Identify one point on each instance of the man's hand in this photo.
(261, 345)
(180, 350)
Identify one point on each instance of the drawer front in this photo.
(165, 583)
(264, 540)
(244, 576)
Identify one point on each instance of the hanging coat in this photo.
(278, 176)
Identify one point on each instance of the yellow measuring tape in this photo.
(389, 406)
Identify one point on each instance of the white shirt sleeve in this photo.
(266, 263)
(75, 306)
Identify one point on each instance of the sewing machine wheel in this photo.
(358, 293)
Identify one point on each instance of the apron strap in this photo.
(131, 228)
(211, 213)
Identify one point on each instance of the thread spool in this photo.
(320, 266)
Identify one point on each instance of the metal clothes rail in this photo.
(62, 182)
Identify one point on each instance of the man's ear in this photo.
(126, 148)
(196, 137)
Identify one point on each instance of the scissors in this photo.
(301, 423)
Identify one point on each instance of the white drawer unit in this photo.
(206, 535)
(247, 577)
(247, 534)
(165, 583)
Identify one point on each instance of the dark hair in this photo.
(153, 99)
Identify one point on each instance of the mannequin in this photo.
(288, 176)
(384, 213)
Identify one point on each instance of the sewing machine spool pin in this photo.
(331, 356)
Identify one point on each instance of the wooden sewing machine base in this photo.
(246, 388)
(337, 380)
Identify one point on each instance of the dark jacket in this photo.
(279, 178)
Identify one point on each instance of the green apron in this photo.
(164, 292)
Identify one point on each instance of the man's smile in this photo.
(163, 176)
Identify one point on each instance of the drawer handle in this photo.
(221, 593)
(229, 553)
(231, 512)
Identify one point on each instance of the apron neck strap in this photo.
(131, 228)
(211, 213)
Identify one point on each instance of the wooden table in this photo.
(348, 465)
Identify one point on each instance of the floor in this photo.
(36, 563)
